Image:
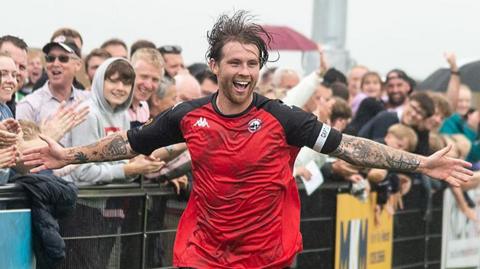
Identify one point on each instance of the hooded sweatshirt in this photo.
(102, 121)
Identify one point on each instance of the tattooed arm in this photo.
(169, 153)
(367, 153)
(111, 148)
(54, 156)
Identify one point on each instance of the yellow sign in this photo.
(361, 242)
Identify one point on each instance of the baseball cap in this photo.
(400, 74)
(63, 42)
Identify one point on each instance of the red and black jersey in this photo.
(244, 209)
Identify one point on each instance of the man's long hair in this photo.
(240, 28)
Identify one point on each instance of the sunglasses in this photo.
(62, 58)
(170, 49)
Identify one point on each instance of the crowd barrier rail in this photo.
(134, 225)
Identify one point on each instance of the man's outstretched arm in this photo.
(367, 153)
(111, 148)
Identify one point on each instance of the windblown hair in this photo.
(240, 28)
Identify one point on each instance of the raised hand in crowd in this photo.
(453, 89)
(323, 66)
(64, 119)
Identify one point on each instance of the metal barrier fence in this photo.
(133, 226)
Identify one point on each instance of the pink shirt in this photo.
(140, 113)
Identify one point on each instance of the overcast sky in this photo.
(382, 34)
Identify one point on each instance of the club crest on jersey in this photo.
(254, 125)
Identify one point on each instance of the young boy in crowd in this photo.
(391, 186)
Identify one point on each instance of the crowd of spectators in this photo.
(75, 98)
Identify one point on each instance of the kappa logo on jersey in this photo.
(254, 125)
(202, 122)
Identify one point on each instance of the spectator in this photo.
(35, 68)
(354, 80)
(93, 60)
(389, 185)
(141, 44)
(69, 33)
(63, 61)
(371, 105)
(284, 78)
(417, 109)
(112, 93)
(172, 55)
(465, 119)
(301, 94)
(61, 35)
(8, 84)
(17, 49)
(149, 69)
(341, 114)
(443, 110)
(187, 87)
(398, 86)
(267, 76)
(116, 47)
(460, 96)
(340, 90)
(165, 96)
(111, 97)
(206, 78)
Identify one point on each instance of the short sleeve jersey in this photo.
(244, 209)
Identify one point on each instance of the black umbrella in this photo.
(470, 75)
(438, 80)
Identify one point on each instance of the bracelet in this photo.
(455, 72)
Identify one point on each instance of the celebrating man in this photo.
(244, 207)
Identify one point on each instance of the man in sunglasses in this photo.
(172, 55)
(62, 57)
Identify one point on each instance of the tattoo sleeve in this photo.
(111, 148)
(367, 153)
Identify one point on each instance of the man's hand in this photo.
(143, 165)
(64, 119)
(10, 125)
(323, 67)
(438, 165)
(303, 172)
(10, 132)
(52, 156)
(451, 60)
(8, 156)
(344, 169)
(179, 183)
